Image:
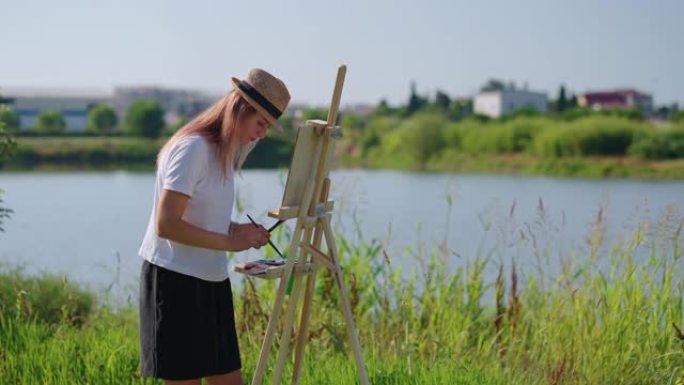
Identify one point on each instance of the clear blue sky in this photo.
(450, 45)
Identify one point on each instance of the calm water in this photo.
(88, 225)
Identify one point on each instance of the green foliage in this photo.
(460, 109)
(417, 139)
(627, 113)
(383, 109)
(562, 103)
(7, 147)
(102, 119)
(145, 118)
(496, 85)
(9, 118)
(271, 152)
(415, 102)
(521, 113)
(502, 138)
(315, 113)
(50, 122)
(7, 144)
(442, 100)
(677, 116)
(589, 136)
(89, 151)
(666, 144)
(48, 298)
(352, 122)
(575, 113)
(376, 128)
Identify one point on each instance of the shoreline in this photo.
(134, 154)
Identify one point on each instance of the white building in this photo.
(74, 104)
(497, 103)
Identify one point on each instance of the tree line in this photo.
(144, 118)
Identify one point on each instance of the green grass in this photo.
(609, 316)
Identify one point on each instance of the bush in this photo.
(513, 136)
(51, 122)
(418, 138)
(589, 136)
(668, 144)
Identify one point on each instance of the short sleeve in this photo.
(185, 165)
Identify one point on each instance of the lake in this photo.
(88, 225)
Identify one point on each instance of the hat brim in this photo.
(273, 121)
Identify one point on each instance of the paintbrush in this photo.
(269, 241)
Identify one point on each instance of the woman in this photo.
(187, 326)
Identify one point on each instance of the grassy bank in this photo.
(615, 325)
(595, 167)
(590, 147)
(92, 152)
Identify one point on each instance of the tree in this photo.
(145, 118)
(493, 85)
(562, 100)
(102, 118)
(9, 118)
(383, 109)
(51, 122)
(442, 100)
(415, 102)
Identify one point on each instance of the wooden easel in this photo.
(306, 199)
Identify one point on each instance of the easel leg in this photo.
(275, 313)
(290, 312)
(302, 334)
(284, 349)
(346, 306)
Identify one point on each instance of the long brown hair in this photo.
(218, 124)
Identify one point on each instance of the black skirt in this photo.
(187, 326)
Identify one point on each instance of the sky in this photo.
(453, 46)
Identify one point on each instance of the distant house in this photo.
(74, 104)
(627, 98)
(497, 103)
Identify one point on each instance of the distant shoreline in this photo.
(136, 154)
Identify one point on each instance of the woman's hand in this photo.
(246, 235)
(240, 228)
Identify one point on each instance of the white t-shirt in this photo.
(191, 167)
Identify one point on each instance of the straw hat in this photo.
(265, 92)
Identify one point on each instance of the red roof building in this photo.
(628, 98)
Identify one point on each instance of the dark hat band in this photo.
(260, 99)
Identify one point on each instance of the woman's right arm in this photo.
(170, 225)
